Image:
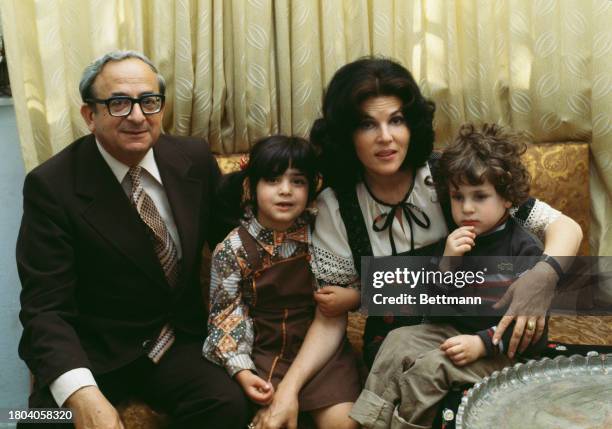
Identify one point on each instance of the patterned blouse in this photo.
(230, 328)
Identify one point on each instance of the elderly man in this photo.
(109, 255)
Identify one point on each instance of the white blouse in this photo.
(333, 260)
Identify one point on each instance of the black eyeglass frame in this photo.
(132, 101)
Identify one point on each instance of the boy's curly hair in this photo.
(490, 153)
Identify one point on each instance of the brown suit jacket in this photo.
(93, 292)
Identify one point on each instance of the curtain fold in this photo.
(240, 70)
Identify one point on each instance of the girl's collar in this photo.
(269, 238)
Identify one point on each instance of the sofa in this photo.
(560, 177)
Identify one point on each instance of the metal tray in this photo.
(564, 392)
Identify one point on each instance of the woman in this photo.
(377, 126)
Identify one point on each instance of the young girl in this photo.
(263, 326)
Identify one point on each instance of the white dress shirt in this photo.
(71, 381)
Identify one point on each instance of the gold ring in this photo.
(531, 325)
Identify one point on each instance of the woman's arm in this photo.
(562, 237)
(332, 260)
(322, 340)
(561, 234)
(530, 296)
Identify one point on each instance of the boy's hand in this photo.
(334, 301)
(463, 349)
(256, 388)
(460, 241)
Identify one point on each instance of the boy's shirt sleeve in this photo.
(230, 328)
(486, 335)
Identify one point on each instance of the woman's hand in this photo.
(322, 340)
(256, 388)
(463, 349)
(527, 329)
(529, 298)
(281, 413)
(335, 301)
(460, 241)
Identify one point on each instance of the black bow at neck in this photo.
(413, 213)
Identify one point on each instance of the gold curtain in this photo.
(241, 69)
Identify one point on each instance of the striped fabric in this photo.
(165, 249)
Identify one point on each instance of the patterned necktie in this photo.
(165, 249)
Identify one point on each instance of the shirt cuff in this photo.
(486, 335)
(69, 382)
(238, 363)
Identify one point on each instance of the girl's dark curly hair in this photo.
(350, 86)
(490, 154)
(269, 157)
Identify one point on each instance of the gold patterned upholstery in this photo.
(229, 163)
(135, 414)
(581, 329)
(560, 177)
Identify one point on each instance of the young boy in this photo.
(482, 175)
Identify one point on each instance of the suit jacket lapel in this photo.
(184, 194)
(110, 212)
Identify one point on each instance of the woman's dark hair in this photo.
(269, 157)
(350, 86)
(490, 154)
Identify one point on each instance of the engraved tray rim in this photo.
(592, 363)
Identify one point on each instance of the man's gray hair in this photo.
(93, 70)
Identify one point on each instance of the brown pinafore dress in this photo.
(282, 311)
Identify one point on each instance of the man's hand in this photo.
(334, 301)
(256, 388)
(460, 241)
(463, 349)
(281, 413)
(92, 410)
(529, 298)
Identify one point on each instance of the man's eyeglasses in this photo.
(122, 105)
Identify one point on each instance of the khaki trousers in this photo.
(410, 375)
